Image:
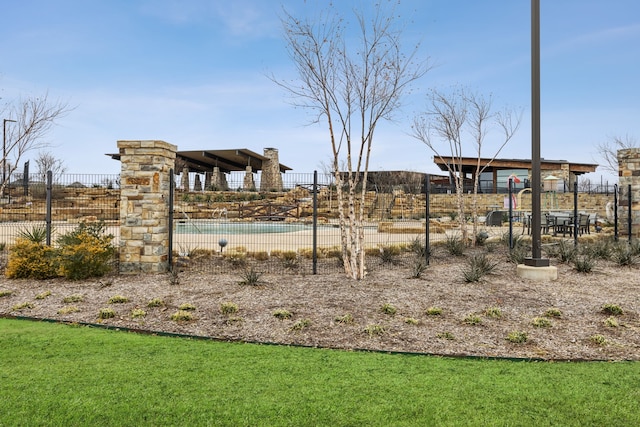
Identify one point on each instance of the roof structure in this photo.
(236, 159)
(469, 164)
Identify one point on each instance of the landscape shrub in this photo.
(82, 253)
(85, 252)
(31, 260)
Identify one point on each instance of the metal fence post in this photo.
(172, 185)
(315, 223)
(575, 213)
(510, 183)
(630, 212)
(427, 213)
(48, 203)
(615, 212)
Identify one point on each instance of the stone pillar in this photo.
(271, 179)
(184, 180)
(218, 180)
(197, 183)
(248, 183)
(144, 207)
(207, 180)
(629, 174)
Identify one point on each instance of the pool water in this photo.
(238, 227)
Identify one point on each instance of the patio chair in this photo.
(583, 224)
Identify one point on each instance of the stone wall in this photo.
(144, 208)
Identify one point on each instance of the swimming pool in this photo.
(195, 227)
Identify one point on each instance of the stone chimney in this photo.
(271, 178)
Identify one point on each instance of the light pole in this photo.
(4, 148)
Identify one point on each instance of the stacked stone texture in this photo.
(629, 177)
(271, 180)
(144, 208)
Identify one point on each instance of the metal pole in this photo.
(510, 183)
(427, 213)
(172, 186)
(615, 212)
(4, 148)
(536, 238)
(48, 207)
(315, 223)
(575, 213)
(629, 219)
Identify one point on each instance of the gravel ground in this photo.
(330, 310)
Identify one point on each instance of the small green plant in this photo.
(541, 322)
(138, 313)
(182, 316)
(411, 321)
(434, 311)
(43, 295)
(73, 298)
(174, 276)
(68, 310)
(232, 320)
(553, 312)
(5, 293)
(237, 259)
(282, 314)
(445, 335)
(388, 309)
(493, 312)
(118, 299)
(23, 306)
(389, 254)
(611, 322)
(472, 319)
(566, 252)
(583, 263)
(623, 255)
(37, 234)
(301, 324)
(612, 309)
(228, 308)
(600, 249)
(517, 337)
(106, 313)
(345, 319)
(186, 307)
(598, 339)
(418, 247)
(372, 330)
(250, 277)
(418, 267)
(478, 266)
(454, 245)
(156, 302)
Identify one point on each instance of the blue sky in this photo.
(193, 73)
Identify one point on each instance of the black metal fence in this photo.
(58, 204)
(292, 230)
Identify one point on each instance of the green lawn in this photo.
(61, 375)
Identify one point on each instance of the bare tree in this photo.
(352, 88)
(33, 118)
(45, 162)
(608, 150)
(461, 120)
